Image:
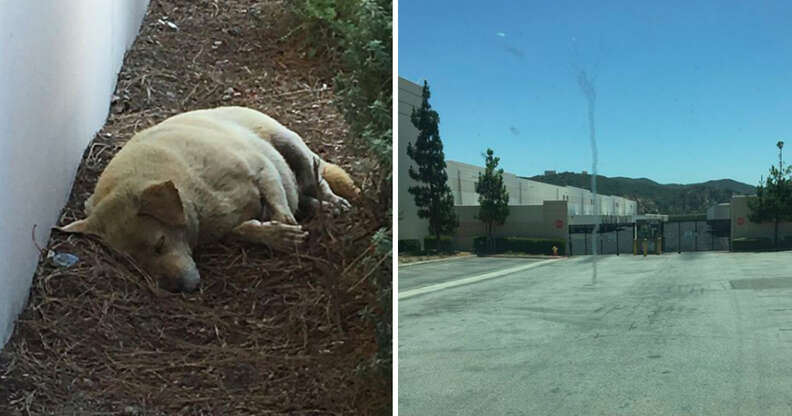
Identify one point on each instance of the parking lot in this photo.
(691, 333)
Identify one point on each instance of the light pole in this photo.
(780, 145)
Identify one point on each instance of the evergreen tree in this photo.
(493, 198)
(432, 195)
(773, 200)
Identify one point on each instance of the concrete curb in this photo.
(468, 280)
(436, 260)
(527, 256)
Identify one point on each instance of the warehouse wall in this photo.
(739, 210)
(58, 66)
(410, 226)
(548, 220)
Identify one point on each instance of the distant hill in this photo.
(653, 197)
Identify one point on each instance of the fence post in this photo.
(585, 244)
(679, 237)
(695, 235)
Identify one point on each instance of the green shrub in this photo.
(752, 244)
(519, 245)
(410, 246)
(358, 35)
(446, 244)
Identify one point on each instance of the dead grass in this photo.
(268, 333)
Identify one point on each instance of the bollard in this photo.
(659, 245)
(635, 247)
(555, 251)
(645, 246)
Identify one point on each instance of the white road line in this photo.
(473, 279)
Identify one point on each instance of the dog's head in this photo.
(149, 224)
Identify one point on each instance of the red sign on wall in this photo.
(559, 223)
(740, 220)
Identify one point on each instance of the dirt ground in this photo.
(268, 333)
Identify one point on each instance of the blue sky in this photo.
(687, 91)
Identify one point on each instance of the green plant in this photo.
(359, 34)
(444, 245)
(493, 198)
(412, 246)
(519, 245)
(751, 244)
(773, 201)
(432, 195)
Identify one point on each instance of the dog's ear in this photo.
(162, 202)
(85, 226)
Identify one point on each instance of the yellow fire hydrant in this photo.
(555, 250)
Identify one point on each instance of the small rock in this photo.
(168, 23)
(64, 259)
(132, 410)
(234, 31)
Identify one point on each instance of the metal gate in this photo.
(611, 239)
(686, 236)
(677, 236)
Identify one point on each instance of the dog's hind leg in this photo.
(301, 161)
(277, 186)
(310, 206)
(274, 234)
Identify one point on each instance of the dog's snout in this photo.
(191, 281)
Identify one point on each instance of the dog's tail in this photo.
(340, 181)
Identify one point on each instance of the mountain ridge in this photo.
(654, 197)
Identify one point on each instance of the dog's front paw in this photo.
(284, 237)
(276, 235)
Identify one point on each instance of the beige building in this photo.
(536, 209)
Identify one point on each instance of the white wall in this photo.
(58, 65)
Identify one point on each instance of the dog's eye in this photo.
(158, 248)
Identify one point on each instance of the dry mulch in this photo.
(268, 333)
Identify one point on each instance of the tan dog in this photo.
(201, 176)
(299, 157)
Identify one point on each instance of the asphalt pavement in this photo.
(705, 333)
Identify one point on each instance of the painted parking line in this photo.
(468, 280)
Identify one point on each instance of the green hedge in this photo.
(410, 246)
(519, 245)
(761, 244)
(446, 244)
(752, 244)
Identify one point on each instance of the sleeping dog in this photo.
(200, 176)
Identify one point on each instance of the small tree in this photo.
(773, 200)
(493, 198)
(432, 195)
